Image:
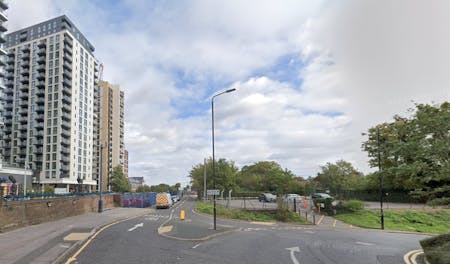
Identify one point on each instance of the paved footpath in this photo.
(44, 243)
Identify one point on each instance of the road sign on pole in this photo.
(213, 192)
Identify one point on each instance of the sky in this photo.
(310, 76)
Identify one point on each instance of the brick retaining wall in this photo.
(15, 214)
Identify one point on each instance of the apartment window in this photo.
(57, 39)
(55, 130)
(54, 139)
(49, 130)
(47, 166)
(47, 157)
(54, 156)
(54, 147)
(56, 87)
(54, 165)
(55, 122)
(55, 104)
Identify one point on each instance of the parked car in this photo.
(292, 196)
(175, 198)
(8, 197)
(321, 196)
(267, 197)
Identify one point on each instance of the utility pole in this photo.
(204, 180)
(100, 201)
(380, 179)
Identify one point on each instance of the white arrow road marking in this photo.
(294, 249)
(136, 226)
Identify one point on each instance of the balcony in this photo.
(10, 68)
(67, 74)
(8, 114)
(66, 99)
(26, 49)
(9, 99)
(26, 56)
(67, 49)
(22, 128)
(64, 168)
(67, 90)
(67, 65)
(39, 126)
(39, 134)
(23, 103)
(40, 76)
(67, 82)
(23, 96)
(40, 92)
(65, 133)
(39, 142)
(40, 101)
(25, 80)
(65, 124)
(40, 68)
(65, 142)
(25, 72)
(22, 119)
(66, 108)
(23, 111)
(68, 40)
(66, 116)
(67, 57)
(41, 44)
(41, 60)
(41, 51)
(39, 117)
(65, 150)
(40, 84)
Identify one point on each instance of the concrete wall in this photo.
(14, 214)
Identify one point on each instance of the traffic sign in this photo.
(213, 192)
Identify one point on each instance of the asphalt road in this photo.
(138, 241)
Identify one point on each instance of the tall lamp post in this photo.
(100, 201)
(213, 156)
(380, 179)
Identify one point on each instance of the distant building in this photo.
(136, 182)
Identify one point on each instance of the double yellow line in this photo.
(411, 256)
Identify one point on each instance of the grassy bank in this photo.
(437, 249)
(260, 216)
(404, 220)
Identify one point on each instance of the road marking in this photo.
(334, 223)
(320, 220)
(165, 229)
(76, 236)
(196, 246)
(409, 254)
(415, 255)
(74, 257)
(292, 250)
(136, 226)
(364, 243)
(310, 232)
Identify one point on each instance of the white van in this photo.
(163, 200)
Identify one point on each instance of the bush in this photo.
(350, 206)
(439, 201)
(437, 249)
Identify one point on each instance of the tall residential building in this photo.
(125, 163)
(3, 19)
(111, 124)
(50, 78)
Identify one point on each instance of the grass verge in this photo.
(404, 220)
(260, 216)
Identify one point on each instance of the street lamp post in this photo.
(100, 201)
(213, 156)
(380, 180)
(25, 179)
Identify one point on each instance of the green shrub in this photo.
(350, 206)
(439, 201)
(437, 249)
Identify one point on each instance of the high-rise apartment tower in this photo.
(49, 112)
(111, 129)
(3, 19)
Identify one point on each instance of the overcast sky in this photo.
(311, 76)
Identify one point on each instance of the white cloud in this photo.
(360, 63)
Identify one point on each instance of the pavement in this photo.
(44, 243)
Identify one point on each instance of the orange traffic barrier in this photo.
(305, 204)
(182, 214)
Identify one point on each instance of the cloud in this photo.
(310, 76)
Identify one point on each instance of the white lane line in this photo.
(196, 246)
(364, 243)
(136, 226)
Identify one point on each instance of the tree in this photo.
(225, 176)
(118, 181)
(339, 176)
(266, 176)
(415, 151)
(144, 188)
